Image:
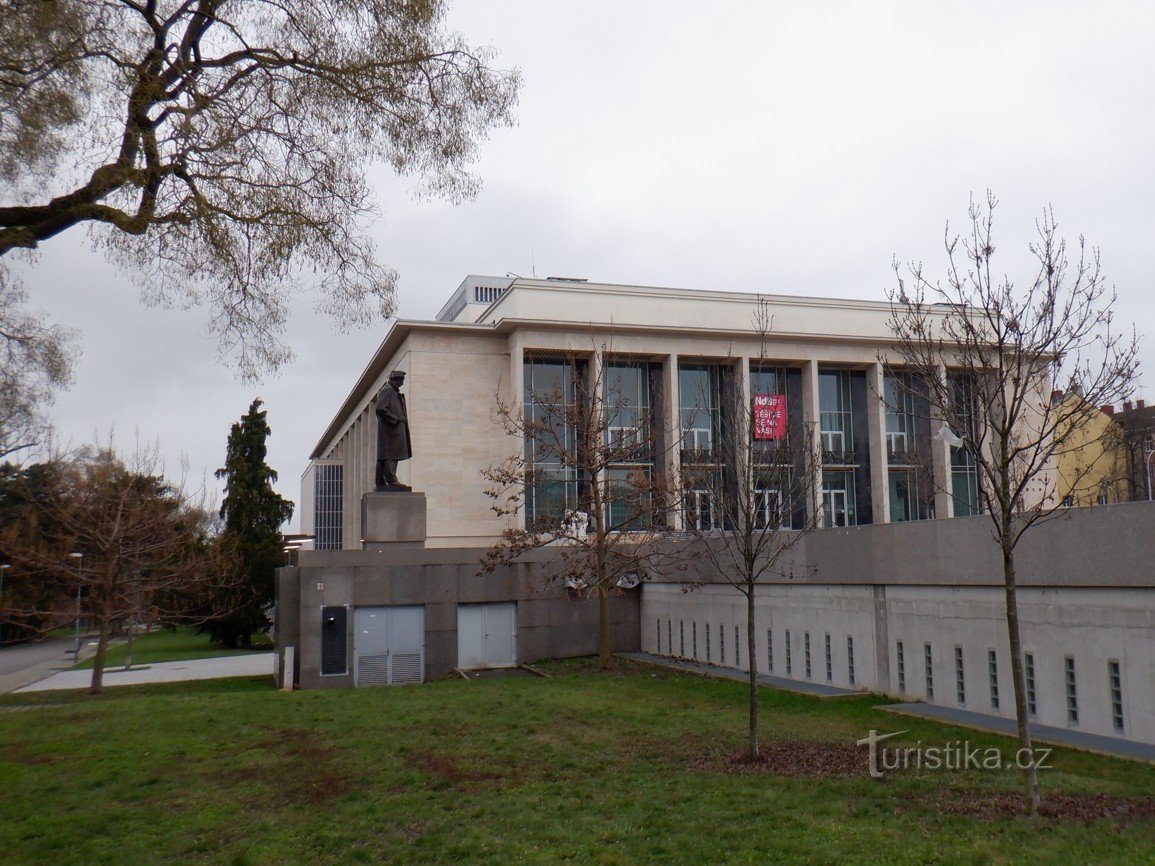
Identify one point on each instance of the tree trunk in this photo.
(1030, 774)
(751, 658)
(128, 651)
(101, 653)
(603, 625)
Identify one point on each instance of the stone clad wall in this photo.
(551, 622)
(1087, 590)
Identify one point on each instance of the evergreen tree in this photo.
(252, 513)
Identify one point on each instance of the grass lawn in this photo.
(164, 645)
(587, 767)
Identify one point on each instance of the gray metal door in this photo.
(486, 636)
(389, 645)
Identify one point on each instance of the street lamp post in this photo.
(1148, 453)
(3, 568)
(79, 582)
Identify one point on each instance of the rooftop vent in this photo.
(487, 294)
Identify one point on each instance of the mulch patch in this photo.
(304, 771)
(448, 770)
(793, 758)
(810, 760)
(1055, 805)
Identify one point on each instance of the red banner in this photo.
(769, 416)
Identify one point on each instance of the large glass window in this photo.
(327, 506)
(904, 498)
(899, 420)
(909, 475)
(550, 406)
(964, 477)
(700, 394)
(769, 509)
(836, 420)
(778, 462)
(836, 424)
(838, 499)
(627, 401)
(629, 498)
(700, 402)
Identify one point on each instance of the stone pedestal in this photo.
(392, 519)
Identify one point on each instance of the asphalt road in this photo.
(14, 659)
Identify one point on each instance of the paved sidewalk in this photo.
(252, 664)
(31, 663)
(802, 686)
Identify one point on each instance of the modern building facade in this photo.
(883, 597)
(685, 356)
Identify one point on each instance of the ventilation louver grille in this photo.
(407, 668)
(373, 670)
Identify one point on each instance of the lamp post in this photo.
(1148, 453)
(3, 568)
(79, 578)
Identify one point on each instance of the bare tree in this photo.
(749, 493)
(589, 480)
(988, 352)
(219, 148)
(120, 539)
(35, 361)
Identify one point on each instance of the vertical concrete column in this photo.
(881, 641)
(940, 458)
(512, 394)
(357, 453)
(810, 421)
(350, 495)
(876, 431)
(361, 478)
(360, 446)
(672, 433)
(367, 460)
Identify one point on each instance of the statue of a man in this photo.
(393, 444)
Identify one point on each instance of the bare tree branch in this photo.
(221, 147)
(990, 353)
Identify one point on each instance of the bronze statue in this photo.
(393, 443)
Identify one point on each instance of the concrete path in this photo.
(802, 686)
(31, 662)
(252, 664)
(1039, 733)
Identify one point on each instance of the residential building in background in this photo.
(1091, 461)
(1137, 421)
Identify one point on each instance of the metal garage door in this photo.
(389, 645)
(486, 636)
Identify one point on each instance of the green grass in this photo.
(586, 767)
(165, 645)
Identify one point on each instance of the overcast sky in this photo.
(786, 148)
